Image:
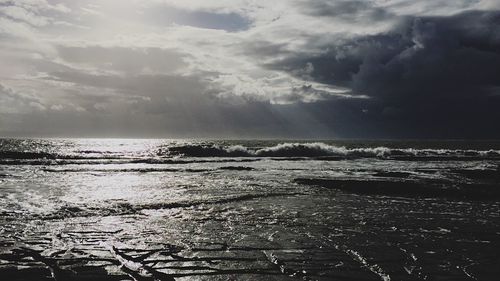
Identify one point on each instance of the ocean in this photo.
(133, 209)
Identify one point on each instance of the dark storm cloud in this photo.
(435, 76)
(452, 57)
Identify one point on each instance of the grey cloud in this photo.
(430, 7)
(165, 86)
(127, 60)
(23, 15)
(168, 107)
(165, 106)
(34, 13)
(167, 15)
(263, 50)
(12, 101)
(350, 11)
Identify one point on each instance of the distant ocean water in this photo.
(252, 209)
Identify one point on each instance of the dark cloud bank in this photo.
(429, 77)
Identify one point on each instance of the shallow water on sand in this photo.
(248, 210)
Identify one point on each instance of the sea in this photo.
(183, 209)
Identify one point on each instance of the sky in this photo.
(250, 68)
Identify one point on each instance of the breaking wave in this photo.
(319, 149)
(209, 152)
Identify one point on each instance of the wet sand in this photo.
(312, 233)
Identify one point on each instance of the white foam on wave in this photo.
(319, 149)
